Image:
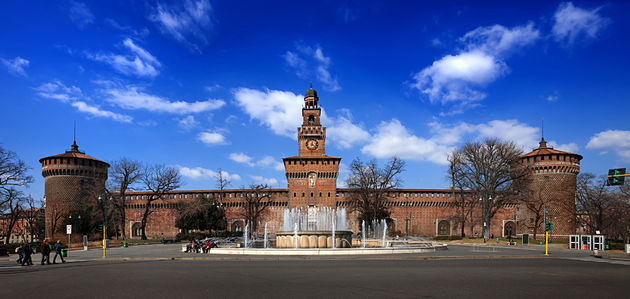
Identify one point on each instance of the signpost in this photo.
(69, 232)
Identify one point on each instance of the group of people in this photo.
(26, 250)
(200, 246)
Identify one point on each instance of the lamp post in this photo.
(100, 198)
(485, 215)
(70, 220)
(407, 218)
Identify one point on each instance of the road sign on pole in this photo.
(69, 229)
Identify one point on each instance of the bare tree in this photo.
(257, 198)
(33, 216)
(13, 206)
(490, 169)
(13, 171)
(464, 202)
(124, 174)
(369, 185)
(201, 213)
(593, 202)
(158, 180)
(223, 180)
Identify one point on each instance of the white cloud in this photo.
(392, 139)
(188, 123)
(615, 140)
(307, 59)
(552, 98)
(80, 14)
(279, 110)
(343, 132)
(266, 161)
(269, 161)
(98, 112)
(58, 91)
(572, 23)
(72, 95)
(203, 173)
(522, 134)
(262, 180)
(133, 99)
(16, 65)
(188, 23)
(497, 40)
(458, 79)
(212, 138)
(140, 63)
(241, 158)
(141, 32)
(571, 147)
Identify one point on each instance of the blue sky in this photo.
(203, 85)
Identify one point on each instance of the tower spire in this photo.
(542, 143)
(74, 147)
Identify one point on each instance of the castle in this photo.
(73, 178)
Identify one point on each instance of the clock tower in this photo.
(311, 175)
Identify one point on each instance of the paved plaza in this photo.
(470, 271)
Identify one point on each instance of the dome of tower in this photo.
(311, 92)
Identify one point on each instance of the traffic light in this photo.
(548, 226)
(616, 176)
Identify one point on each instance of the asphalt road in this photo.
(467, 277)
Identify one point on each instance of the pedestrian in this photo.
(20, 251)
(45, 249)
(28, 250)
(57, 248)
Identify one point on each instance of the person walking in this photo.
(57, 248)
(45, 250)
(27, 254)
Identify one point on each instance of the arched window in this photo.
(311, 119)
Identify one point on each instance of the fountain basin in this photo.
(314, 239)
(328, 251)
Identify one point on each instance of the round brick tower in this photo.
(553, 186)
(73, 180)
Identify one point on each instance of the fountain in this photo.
(265, 240)
(318, 227)
(363, 234)
(323, 231)
(246, 236)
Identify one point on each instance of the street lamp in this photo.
(70, 220)
(407, 218)
(485, 215)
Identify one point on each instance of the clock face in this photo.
(312, 144)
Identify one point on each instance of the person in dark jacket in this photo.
(27, 254)
(45, 249)
(57, 248)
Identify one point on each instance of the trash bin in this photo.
(64, 252)
(125, 244)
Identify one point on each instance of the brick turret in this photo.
(554, 175)
(73, 180)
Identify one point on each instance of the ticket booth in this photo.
(574, 242)
(598, 242)
(585, 242)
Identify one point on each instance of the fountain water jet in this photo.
(246, 236)
(265, 245)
